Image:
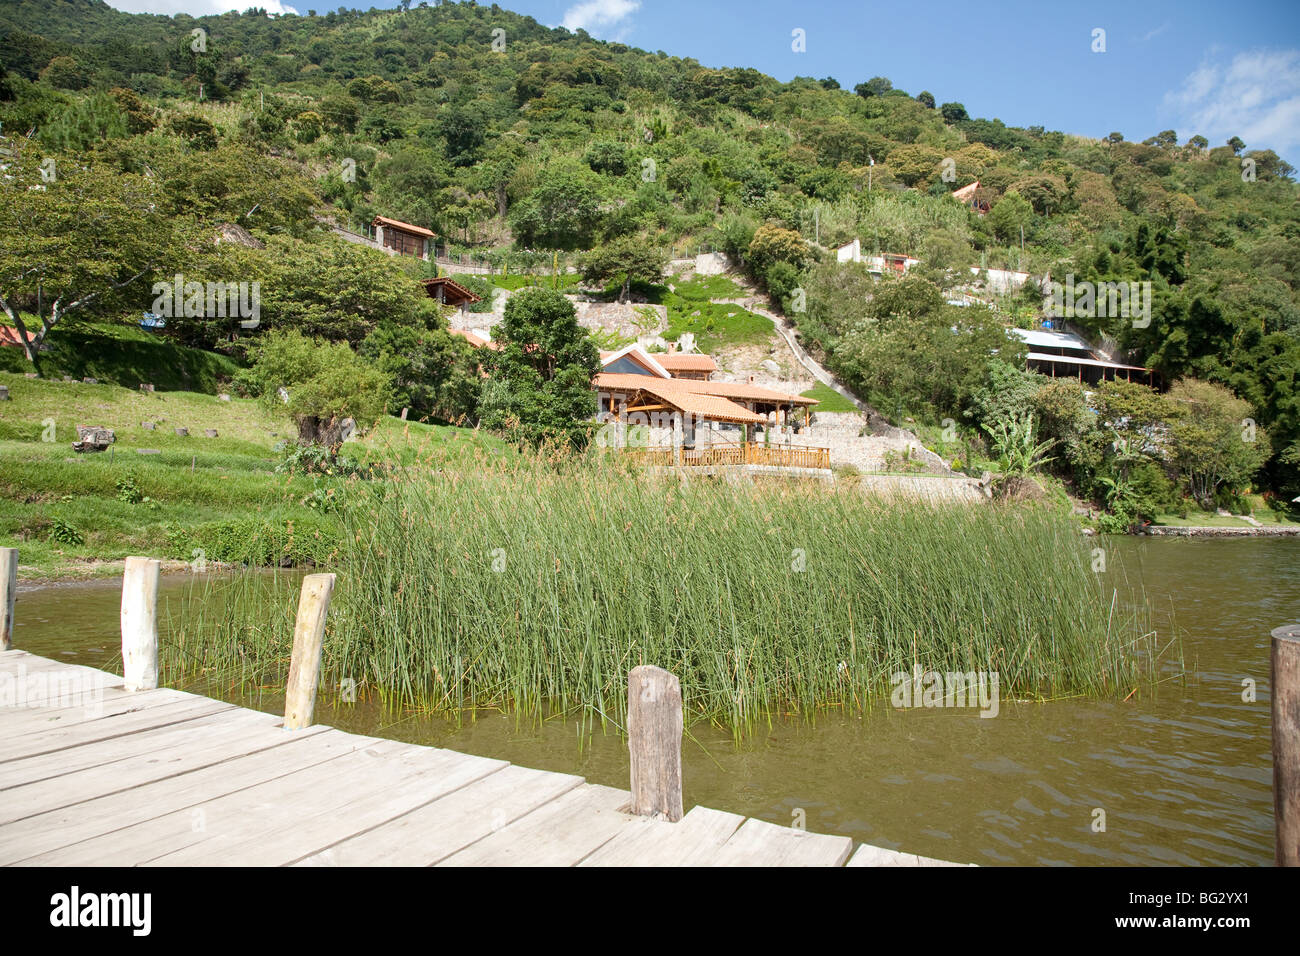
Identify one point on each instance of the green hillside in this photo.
(550, 144)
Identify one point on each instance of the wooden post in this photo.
(654, 740)
(8, 593)
(1286, 743)
(140, 623)
(308, 638)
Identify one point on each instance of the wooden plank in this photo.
(693, 840)
(126, 724)
(759, 843)
(559, 833)
(436, 831)
(24, 771)
(184, 753)
(19, 662)
(395, 785)
(255, 811)
(879, 856)
(36, 720)
(68, 825)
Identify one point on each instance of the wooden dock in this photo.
(97, 775)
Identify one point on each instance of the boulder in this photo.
(148, 426)
(210, 432)
(182, 432)
(30, 375)
(223, 397)
(4, 393)
(90, 381)
(771, 367)
(93, 438)
(349, 427)
(145, 388)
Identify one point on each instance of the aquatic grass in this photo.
(535, 584)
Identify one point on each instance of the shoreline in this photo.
(1278, 531)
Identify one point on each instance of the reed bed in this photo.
(538, 583)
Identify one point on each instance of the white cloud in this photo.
(1256, 97)
(198, 8)
(598, 15)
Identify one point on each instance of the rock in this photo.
(145, 388)
(148, 426)
(284, 394)
(4, 393)
(30, 375)
(349, 427)
(771, 367)
(210, 432)
(93, 438)
(182, 432)
(223, 397)
(68, 378)
(148, 451)
(90, 381)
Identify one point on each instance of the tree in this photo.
(561, 212)
(926, 99)
(953, 113)
(776, 244)
(1115, 138)
(325, 383)
(909, 351)
(1213, 440)
(1009, 215)
(434, 373)
(539, 384)
(624, 260)
(1198, 143)
(1236, 145)
(88, 238)
(876, 86)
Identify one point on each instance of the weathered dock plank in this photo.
(759, 843)
(241, 735)
(559, 833)
(55, 829)
(694, 840)
(432, 833)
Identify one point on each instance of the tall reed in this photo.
(538, 583)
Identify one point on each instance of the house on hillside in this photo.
(893, 262)
(401, 238)
(664, 409)
(972, 196)
(1066, 355)
(697, 421)
(446, 291)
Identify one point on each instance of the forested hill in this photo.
(499, 133)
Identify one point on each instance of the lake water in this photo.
(1182, 776)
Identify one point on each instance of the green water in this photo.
(1183, 776)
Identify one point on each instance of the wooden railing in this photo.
(733, 453)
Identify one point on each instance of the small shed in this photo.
(402, 238)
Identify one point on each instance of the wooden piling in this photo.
(1286, 743)
(140, 623)
(654, 740)
(8, 593)
(308, 638)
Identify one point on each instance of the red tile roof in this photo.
(404, 226)
(9, 336)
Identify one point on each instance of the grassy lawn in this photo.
(75, 515)
(123, 355)
(568, 281)
(829, 400)
(715, 325)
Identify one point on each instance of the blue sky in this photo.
(1194, 66)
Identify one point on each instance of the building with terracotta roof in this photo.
(448, 291)
(664, 409)
(402, 237)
